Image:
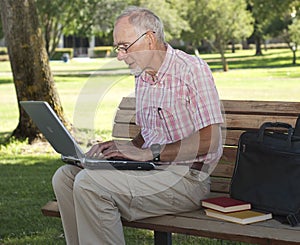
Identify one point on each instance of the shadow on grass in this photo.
(278, 62)
(25, 186)
(5, 138)
(5, 80)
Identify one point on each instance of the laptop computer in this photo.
(63, 142)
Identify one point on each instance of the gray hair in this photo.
(144, 20)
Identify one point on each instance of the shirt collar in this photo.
(152, 80)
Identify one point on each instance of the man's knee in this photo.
(81, 183)
(63, 176)
(85, 187)
(57, 178)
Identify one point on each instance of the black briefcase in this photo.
(267, 171)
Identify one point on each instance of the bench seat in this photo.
(196, 223)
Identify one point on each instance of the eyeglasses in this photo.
(124, 49)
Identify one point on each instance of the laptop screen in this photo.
(52, 128)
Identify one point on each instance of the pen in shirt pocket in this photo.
(162, 117)
(159, 111)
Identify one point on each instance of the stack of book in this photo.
(233, 210)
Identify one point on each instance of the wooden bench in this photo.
(240, 116)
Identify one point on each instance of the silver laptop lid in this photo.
(52, 128)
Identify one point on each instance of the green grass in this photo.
(26, 171)
(25, 186)
(281, 84)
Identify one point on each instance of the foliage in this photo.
(193, 20)
(267, 22)
(295, 31)
(1, 30)
(94, 17)
(75, 17)
(174, 19)
(219, 22)
(286, 26)
(293, 28)
(215, 20)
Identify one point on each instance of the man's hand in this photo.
(119, 150)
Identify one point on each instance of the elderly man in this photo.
(178, 110)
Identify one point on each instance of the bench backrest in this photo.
(239, 117)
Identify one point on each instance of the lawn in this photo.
(26, 171)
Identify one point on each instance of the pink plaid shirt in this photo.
(178, 101)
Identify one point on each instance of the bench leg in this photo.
(162, 238)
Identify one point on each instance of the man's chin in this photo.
(136, 71)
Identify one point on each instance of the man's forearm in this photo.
(200, 143)
(138, 141)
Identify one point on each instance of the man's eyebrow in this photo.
(121, 43)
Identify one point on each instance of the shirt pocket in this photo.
(176, 119)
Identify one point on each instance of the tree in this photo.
(294, 37)
(285, 25)
(54, 16)
(291, 28)
(86, 18)
(1, 30)
(76, 17)
(219, 22)
(174, 19)
(295, 31)
(29, 62)
(265, 13)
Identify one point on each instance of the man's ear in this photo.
(151, 39)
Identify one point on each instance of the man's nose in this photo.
(121, 55)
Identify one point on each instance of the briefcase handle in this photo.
(266, 125)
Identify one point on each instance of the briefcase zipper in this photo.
(268, 150)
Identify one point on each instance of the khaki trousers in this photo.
(92, 202)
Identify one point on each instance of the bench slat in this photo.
(242, 106)
(51, 209)
(127, 103)
(121, 130)
(125, 116)
(261, 107)
(229, 154)
(254, 122)
(224, 170)
(196, 223)
(235, 121)
(129, 131)
(220, 185)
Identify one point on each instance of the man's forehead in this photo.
(123, 31)
(123, 25)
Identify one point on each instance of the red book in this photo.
(225, 204)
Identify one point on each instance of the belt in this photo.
(197, 165)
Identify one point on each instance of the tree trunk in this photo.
(232, 46)
(258, 45)
(29, 62)
(223, 58)
(294, 56)
(224, 63)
